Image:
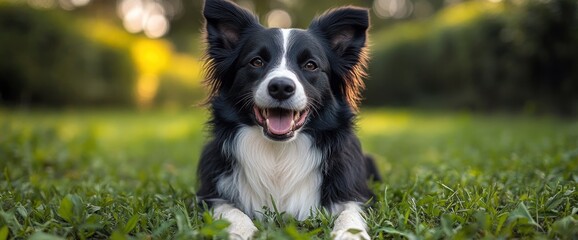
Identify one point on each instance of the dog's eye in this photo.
(310, 66)
(257, 62)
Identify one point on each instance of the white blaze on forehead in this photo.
(285, 34)
(299, 100)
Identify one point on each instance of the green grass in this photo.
(124, 175)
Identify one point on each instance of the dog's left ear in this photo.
(345, 31)
(225, 23)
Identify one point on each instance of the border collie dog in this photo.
(283, 104)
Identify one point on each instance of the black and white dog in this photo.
(283, 105)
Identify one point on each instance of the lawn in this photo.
(125, 175)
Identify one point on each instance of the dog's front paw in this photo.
(350, 234)
(241, 230)
(241, 225)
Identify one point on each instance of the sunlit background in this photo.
(470, 113)
(474, 55)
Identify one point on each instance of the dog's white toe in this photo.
(241, 225)
(350, 234)
(241, 232)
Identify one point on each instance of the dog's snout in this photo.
(281, 88)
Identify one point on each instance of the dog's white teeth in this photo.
(264, 112)
(296, 115)
(292, 125)
(266, 122)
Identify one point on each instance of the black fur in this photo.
(337, 41)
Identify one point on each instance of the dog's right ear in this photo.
(226, 23)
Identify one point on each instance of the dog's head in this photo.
(281, 78)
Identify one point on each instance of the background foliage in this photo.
(482, 56)
(506, 55)
(48, 61)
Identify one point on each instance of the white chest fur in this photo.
(285, 172)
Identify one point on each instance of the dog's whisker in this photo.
(315, 105)
(246, 100)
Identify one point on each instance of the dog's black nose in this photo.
(281, 88)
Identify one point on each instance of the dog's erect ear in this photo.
(225, 26)
(345, 31)
(226, 22)
(344, 28)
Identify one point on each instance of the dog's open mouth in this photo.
(279, 123)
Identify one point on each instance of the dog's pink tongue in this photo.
(280, 122)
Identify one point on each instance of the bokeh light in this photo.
(66, 4)
(279, 18)
(132, 21)
(79, 3)
(156, 26)
(393, 8)
(148, 16)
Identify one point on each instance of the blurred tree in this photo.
(472, 54)
(484, 56)
(45, 61)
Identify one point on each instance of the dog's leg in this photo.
(241, 225)
(350, 223)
